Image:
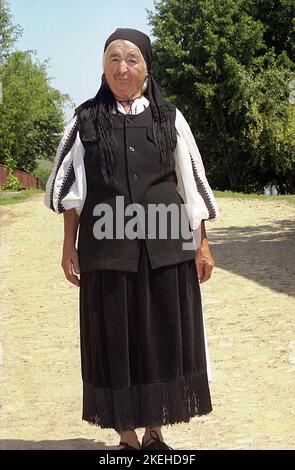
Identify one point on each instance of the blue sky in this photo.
(72, 33)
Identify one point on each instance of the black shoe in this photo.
(155, 443)
(127, 446)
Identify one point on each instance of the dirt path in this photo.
(250, 319)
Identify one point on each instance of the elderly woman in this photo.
(143, 349)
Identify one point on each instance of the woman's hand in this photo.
(70, 263)
(70, 259)
(203, 258)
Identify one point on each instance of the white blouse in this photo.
(192, 185)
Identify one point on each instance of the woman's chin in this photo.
(123, 91)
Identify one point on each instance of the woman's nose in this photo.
(122, 66)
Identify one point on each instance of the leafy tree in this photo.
(9, 33)
(277, 17)
(31, 114)
(226, 68)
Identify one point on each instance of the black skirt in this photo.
(142, 346)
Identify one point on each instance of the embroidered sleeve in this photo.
(66, 185)
(186, 143)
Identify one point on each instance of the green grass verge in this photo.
(18, 197)
(230, 194)
(26, 193)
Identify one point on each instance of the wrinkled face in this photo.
(125, 69)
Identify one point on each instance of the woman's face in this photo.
(125, 69)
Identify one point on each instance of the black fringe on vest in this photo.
(100, 110)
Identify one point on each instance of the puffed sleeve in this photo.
(66, 186)
(192, 183)
(189, 164)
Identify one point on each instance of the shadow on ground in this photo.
(263, 253)
(65, 444)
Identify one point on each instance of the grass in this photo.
(26, 193)
(18, 197)
(230, 194)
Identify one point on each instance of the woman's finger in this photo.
(204, 271)
(69, 274)
(75, 263)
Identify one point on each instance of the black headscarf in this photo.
(141, 40)
(104, 102)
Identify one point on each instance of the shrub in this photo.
(12, 183)
(42, 174)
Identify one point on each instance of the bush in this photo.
(12, 183)
(42, 174)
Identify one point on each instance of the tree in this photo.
(277, 16)
(31, 114)
(220, 63)
(9, 33)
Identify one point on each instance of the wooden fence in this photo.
(25, 179)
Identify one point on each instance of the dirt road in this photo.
(249, 307)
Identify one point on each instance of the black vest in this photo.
(141, 179)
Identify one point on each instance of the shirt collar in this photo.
(138, 106)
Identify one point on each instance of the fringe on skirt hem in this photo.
(147, 405)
